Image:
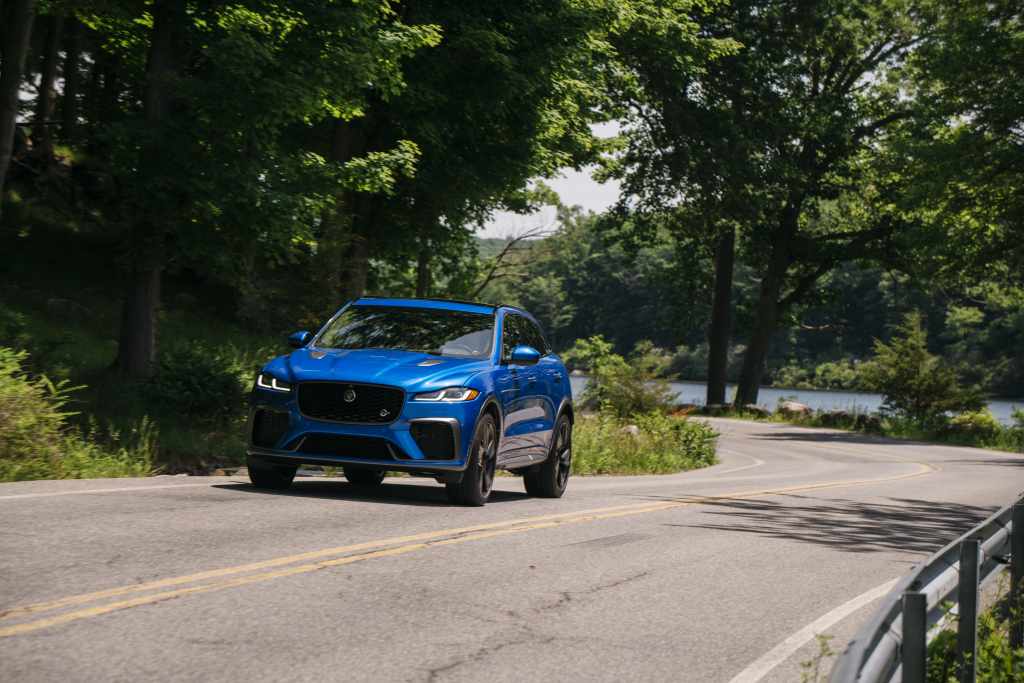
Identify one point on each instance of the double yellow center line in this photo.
(304, 563)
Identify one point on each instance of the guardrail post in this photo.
(915, 630)
(1017, 577)
(967, 601)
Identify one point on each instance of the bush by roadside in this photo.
(653, 444)
(36, 441)
(621, 386)
(996, 662)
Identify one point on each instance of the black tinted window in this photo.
(536, 339)
(519, 330)
(512, 334)
(434, 331)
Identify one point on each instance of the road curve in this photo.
(723, 574)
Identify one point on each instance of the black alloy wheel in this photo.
(478, 479)
(550, 478)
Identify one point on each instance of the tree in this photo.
(17, 16)
(201, 150)
(915, 383)
(964, 167)
(760, 140)
(508, 96)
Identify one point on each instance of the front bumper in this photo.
(387, 446)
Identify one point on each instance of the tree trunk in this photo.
(18, 16)
(42, 136)
(423, 270)
(767, 316)
(72, 81)
(357, 267)
(721, 318)
(138, 338)
(136, 349)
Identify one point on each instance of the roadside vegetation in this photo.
(997, 661)
(627, 423)
(37, 441)
(925, 399)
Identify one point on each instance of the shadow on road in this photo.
(839, 437)
(914, 526)
(392, 494)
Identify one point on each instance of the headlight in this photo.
(449, 395)
(265, 380)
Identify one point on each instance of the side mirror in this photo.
(524, 355)
(297, 340)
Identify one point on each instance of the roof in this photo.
(440, 304)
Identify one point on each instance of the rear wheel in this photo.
(552, 476)
(363, 476)
(273, 477)
(477, 480)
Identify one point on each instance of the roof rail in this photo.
(430, 298)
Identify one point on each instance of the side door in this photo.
(545, 394)
(517, 385)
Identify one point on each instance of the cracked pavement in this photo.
(691, 583)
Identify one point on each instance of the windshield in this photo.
(433, 331)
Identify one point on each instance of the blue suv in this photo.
(445, 389)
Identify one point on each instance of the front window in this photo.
(425, 330)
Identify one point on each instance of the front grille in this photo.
(434, 438)
(346, 446)
(367, 403)
(268, 426)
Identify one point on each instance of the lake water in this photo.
(819, 399)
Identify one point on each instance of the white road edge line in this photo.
(50, 494)
(757, 463)
(763, 665)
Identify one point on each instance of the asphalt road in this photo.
(704, 576)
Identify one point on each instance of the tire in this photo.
(551, 477)
(273, 477)
(475, 487)
(364, 476)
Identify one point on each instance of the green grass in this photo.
(661, 445)
(37, 440)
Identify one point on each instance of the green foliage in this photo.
(618, 386)
(36, 441)
(653, 444)
(196, 381)
(915, 383)
(973, 427)
(842, 375)
(996, 661)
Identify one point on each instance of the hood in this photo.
(377, 366)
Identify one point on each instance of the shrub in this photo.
(618, 386)
(195, 381)
(997, 661)
(659, 444)
(915, 383)
(37, 443)
(976, 426)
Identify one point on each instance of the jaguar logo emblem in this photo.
(349, 395)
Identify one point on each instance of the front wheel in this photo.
(477, 480)
(275, 478)
(552, 476)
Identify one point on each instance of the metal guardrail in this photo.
(892, 645)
